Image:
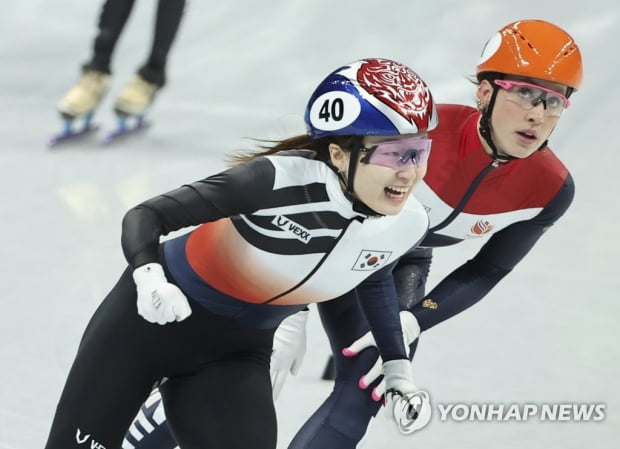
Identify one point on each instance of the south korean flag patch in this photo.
(369, 260)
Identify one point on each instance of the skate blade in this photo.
(124, 129)
(72, 135)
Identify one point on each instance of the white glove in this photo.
(408, 406)
(158, 300)
(411, 331)
(289, 348)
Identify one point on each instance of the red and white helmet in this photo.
(371, 97)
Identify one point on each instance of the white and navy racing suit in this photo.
(271, 236)
(467, 196)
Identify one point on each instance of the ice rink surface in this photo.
(548, 334)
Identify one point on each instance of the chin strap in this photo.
(485, 128)
(347, 181)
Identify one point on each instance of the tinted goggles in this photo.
(397, 154)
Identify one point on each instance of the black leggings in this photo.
(218, 393)
(114, 15)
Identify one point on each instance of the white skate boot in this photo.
(130, 107)
(83, 98)
(136, 97)
(80, 102)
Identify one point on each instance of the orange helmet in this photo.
(534, 49)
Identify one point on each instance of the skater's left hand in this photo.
(289, 349)
(411, 331)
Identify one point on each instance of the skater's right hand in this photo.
(158, 300)
(405, 404)
(411, 331)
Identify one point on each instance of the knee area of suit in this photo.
(352, 411)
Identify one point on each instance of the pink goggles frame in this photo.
(530, 95)
(397, 154)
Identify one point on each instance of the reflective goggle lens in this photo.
(397, 154)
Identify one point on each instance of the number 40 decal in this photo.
(334, 110)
